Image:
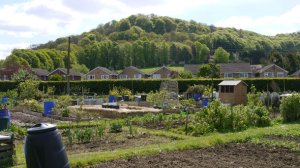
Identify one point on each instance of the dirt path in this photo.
(240, 155)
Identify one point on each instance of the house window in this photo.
(227, 89)
(268, 74)
(228, 75)
(123, 77)
(280, 74)
(91, 77)
(104, 76)
(156, 76)
(243, 75)
(138, 76)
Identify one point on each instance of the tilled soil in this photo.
(21, 118)
(238, 155)
(110, 144)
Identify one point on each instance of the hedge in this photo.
(147, 85)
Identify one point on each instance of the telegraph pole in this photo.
(68, 66)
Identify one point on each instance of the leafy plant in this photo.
(290, 108)
(116, 127)
(65, 112)
(101, 131)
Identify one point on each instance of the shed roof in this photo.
(231, 83)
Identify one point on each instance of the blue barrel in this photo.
(111, 99)
(48, 107)
(4, 119)
(4, 99)
(204, 102)
(197, 96)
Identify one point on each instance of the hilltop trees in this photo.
(221, 55)
(150, 40)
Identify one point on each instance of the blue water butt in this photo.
(111, 98)
(204, 102)
(48, 107)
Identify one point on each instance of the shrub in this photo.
(219, 117)
(65, 112)
(290, 108)
(33, 105)
(29, 89)
(115, 127)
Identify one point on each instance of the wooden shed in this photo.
(233, 92)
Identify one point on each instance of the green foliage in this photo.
(29, 89)
(56, 77)
(218, 117)
(33, 105)
(221, 55)
(209, 71)
(185, 75)
(158, 97)
(195, 89)
(120, 91)
(65, 112)
(115, 127)
(290, 108)
(21, 75)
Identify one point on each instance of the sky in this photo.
(27, 22)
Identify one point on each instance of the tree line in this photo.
(150, 40)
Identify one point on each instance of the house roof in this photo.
(106, 70)
(64, 70)
(269, 66)
(163, 67)
(194, 68)
(235, 67)
(231, 83)
(133, 68)
(297, 73)
(255, 68)
(40, 72)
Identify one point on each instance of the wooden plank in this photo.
(6, 147)
(6, 154)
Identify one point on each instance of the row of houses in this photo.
(245, 70)
(95, 74)
(229, 70)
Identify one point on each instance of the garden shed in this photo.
(233, 92)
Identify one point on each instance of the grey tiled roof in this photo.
(235, 67)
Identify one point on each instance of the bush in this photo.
(290, 108)
(33, 105)
(116, 127)
(219, 117)
(65, 112)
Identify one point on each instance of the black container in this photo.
(143, 97)
(119, 98)
(126, 98)
(44, 147)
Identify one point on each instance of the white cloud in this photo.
(269, 25)
(5, 49)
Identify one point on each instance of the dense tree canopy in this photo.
(150, 40)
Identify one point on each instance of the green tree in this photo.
(221, 55)
(124, 25)
(209, 71)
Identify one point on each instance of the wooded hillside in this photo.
(150, 40)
